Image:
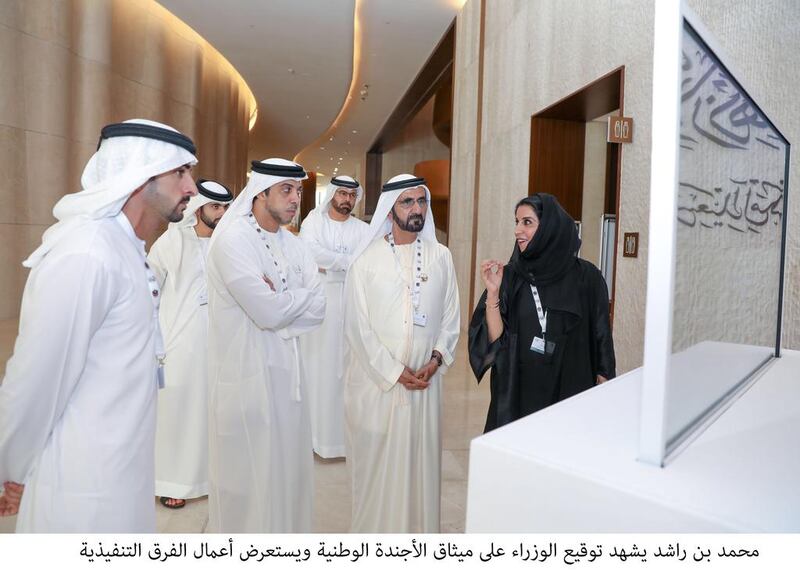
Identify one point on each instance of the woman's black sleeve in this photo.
(601, 327)
(482, 353)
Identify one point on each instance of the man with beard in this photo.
(333, 235)
(178, 259)
(78, 403)
(264, 292)
(402, 326)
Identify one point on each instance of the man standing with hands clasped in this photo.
(402, 325)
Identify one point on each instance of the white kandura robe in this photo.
(78, 403)
(394, 435)
(260, 457)
(178, 260)
(332, 244)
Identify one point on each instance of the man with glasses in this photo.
(402, 326)
(332, 234)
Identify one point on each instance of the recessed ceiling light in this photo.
(322, 148)
(331, 139)
(354, 131)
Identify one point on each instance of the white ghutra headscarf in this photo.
(381, 224)
(263, 175)
(129, 154)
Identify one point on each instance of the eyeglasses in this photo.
(344, 194)
(407, 203)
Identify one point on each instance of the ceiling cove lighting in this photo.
(183, 29)
(352, 93)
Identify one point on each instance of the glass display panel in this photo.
(733, 167)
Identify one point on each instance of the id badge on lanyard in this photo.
(540, 344)
(420, 318)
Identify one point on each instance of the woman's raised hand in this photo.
(492, 275)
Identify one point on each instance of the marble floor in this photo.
(464, 414)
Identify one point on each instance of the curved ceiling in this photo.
(297, 57)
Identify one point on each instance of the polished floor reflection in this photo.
(464, 414)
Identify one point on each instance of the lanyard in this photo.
(417, 262)
(283, 286)
(155, 291)
(542, 314)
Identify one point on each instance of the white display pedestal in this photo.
(572, 467)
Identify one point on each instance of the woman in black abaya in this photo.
(540, 352)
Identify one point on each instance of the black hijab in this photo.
(550, 259)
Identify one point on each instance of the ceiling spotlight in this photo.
(340, 158)
(331, 139)
(354, 131)
(322, 148)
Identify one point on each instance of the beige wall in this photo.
(68, 67)
(537, 52)
(415, 143)
(464, 149)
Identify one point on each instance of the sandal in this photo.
(177, 506)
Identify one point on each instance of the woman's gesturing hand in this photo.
(492, 275)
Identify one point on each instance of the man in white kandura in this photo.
(333, 235)
(402, 325)
(78, 403)
(264, 292)
(178, 259)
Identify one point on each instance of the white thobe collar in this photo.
(123, 221)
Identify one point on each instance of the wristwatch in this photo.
(438, 357)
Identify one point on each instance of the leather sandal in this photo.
(177, 506)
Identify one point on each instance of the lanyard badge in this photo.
(540, 344)
(420, 319)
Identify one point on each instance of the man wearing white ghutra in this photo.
(402, 326)
(332, 234)
(264, 292)
(78, 403)
(178, 259)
